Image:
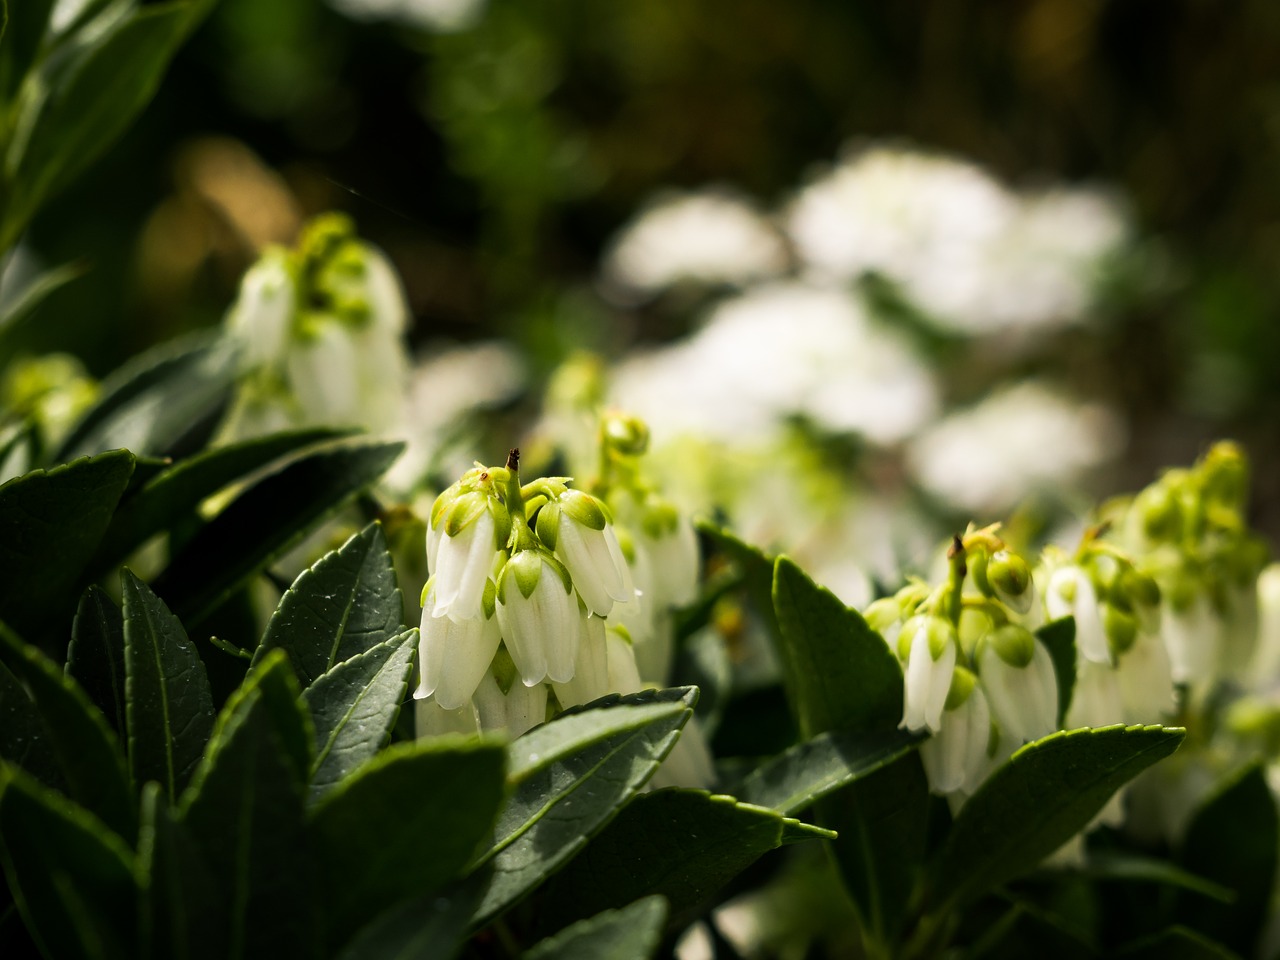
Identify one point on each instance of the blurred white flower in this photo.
(1019, 440)
(708, 237)
(781, 350)
(439, 15)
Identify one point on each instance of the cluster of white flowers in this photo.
(1165, 597)
(539, 599)
(321, 333)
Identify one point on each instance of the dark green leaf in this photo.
(424, 928)
(87, 751)
(266, 521)
(569, 778)
(1025, 931)
(404, 825)
(95, 658)
(176, 492)
(34, 293)
(91, 104)
(18, 450)
(71, 876)
(354, 707)
(1059, 637)
(631, 933)
(881, 821)
(180, 921)
(244, 810)
(1176, 943)
(682, 844)
(1050, 789)
(347, 603)
(1115, 865)
(168, 703)
(23, 32)
(162, 403)
(839, 673)
(50, 524)
(809, 771)
(1232, 840)
(23, 738)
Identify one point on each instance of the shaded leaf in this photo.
(1050, 789)
(91, 104)
(180, 921)
(24, 741)
(266, 521)
(1232, 840)
(1059, 637)
(569, 778)
(95, 658)
(87, 751)
(176, 491)
(839, 673)
(1119, 866)
(354, 708)
(423, 928)
(71, 876)
(347, 603)
(1176, 943)
(164, 402)
(631, 933)
(244, 810)
(50, 524)
(404, 825)
(24, 305)
(682, 844)
(168, 703)
(809, 771)
(756, 567)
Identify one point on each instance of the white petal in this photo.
(1146, 681)
(1095, 701)
(623, 676)
(431, 720)
(469, 647)
(526, 707)
(591, 670)
(939, 685)
(465, 562)
(519, 623)
(689, 764)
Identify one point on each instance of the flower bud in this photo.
(884, 616)
(626, 434)
(930, 644)
(1070, 593)
(538, 615)
(1159, 511)
(1120, 627)
(1010, 578)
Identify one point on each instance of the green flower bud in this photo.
(1010, 577)
(1158, 510)
(962, 683)
(975, 624)
(1120, 627)
(1224, 472)
(625, 434)
(977, 563)
(1013, 644)
(882, 614)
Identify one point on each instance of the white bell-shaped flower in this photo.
(1145, 675)
(931, 657)
(689, 764)
(539, 616)
(590, 680)
(454, 654)
(1070, 593)
(623, 675)
(432, 720)
(955, 757)
(516, 711)
(1192, 635)
(465, 558)
(672, 549)
(1020, 683)
(262, 315)
(1096, 700)
(323, 375)
(577, 528)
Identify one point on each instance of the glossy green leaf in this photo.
(24, 741)
(404, 825)
(354, 708)
(431, 927)
(569, 778)
(87, 752)
(1050, 789)
(630, 933)
(95, 658)
(1118, 866)
(266, 521)
(175, 492)
(50, 524)
(1059, 637)
(25, 28)
(682, 844)
(347, 603)
(168, 703)
(72, 877)
(164, 402)
(1232, 840)
(791, 781)
(179, 916)
(90, 104)
(244, 809)
(839, 673)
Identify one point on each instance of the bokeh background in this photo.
(497, 152)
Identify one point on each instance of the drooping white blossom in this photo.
(931, 658)
(453, 654)
(539, 615)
